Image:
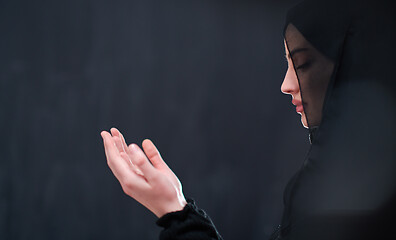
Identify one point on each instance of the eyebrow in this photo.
(294, 51)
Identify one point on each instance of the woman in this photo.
(340, 59)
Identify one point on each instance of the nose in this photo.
(290, 82)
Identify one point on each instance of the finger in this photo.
(132, 166)
(125, 148)
(124, 144)
(153, 154)
(127, 159)
(117, 139)
(114, 160)
(130, 181)
(141, 161)
(118, 143)
(116, 132)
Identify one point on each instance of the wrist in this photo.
(175, 206)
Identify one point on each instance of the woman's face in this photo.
(291, 86)
(314, 72)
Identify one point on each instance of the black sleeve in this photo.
(188, 224)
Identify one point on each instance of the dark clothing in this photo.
(188, 224)
(343, 55)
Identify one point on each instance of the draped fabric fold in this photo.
(343, 54)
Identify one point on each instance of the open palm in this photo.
(143, 175)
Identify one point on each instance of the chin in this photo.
(304, 120)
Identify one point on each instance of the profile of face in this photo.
(291, 86)
(307, 77)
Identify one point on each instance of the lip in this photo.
(298, 104)
(299, 109)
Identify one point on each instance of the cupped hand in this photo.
(143, 175)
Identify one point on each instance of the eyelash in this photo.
(304, 65)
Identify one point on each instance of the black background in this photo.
(200, 78)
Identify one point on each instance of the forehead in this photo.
(294, 39)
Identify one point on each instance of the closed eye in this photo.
(304, 65)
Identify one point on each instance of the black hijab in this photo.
(344, 57)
